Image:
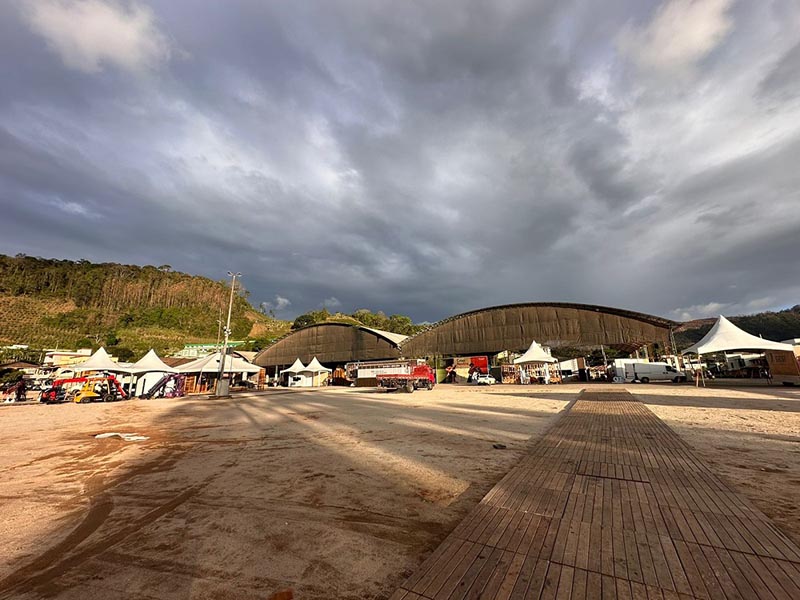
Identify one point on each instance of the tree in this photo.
(124, 354)
(303, 321)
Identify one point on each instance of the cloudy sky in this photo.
(417, 157)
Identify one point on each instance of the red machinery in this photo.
(52, 394)
(418, 376)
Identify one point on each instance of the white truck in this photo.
(652, 371)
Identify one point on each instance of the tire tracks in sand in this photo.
(39, 575)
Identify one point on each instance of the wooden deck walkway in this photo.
(610, 503)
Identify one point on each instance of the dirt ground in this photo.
(751, 436)
(330, 494)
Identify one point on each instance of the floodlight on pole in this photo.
(224, 352)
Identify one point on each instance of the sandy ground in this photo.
(751, 436)
(330, 494)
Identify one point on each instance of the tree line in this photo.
(103, 298)
(393, 323)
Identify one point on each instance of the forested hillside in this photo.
(394, 323)
(49, 302)
(777, 326)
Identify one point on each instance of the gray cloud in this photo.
(783, 81)
(423, 159)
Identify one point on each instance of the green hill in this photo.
(777, 326)
(49, 302)
(394, 323)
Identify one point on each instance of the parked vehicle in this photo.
(784, 366)
(417, 376)
(653, 371)
(54, 394)
(99, 389)
(485, 379)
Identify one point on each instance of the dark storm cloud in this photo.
(424, 159)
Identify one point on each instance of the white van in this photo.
(653, 371)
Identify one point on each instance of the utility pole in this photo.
(222, 390)
(219, 328)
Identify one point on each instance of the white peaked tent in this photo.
(535, 354)
(100, 361)
(210, 364)
(299, 375)
(297, 367)
(315, 367)
(318, 373)
(148, 371)
(725, 336)
(150, 362)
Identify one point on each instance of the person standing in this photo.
(22, 391)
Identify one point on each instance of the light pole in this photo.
(223, 355)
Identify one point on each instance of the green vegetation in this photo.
(776, 326)
(10, 376)
(394, 323)
(63, 303)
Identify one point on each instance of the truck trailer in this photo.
(784, 366)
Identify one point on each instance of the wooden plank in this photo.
(435, 562)
(508, 583)
(580, 579)
(477, 576)
(594, 583)
(436, 578)
(530, 580)
(499, 574)
(610, 503)
(549, 588)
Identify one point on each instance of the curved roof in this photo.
(331, 343)
(513, 326)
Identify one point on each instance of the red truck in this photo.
(417, 376)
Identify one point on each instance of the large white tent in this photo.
(725, 337)
(100, 361)
(210, 364)
(534, 354)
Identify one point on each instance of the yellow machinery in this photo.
(99, 389)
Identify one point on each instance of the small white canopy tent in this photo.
(100, 361)
(299, 375)
(316, 367)
(535, 364)
(297, 367)
(151, 362)
(316, 370)
(148, 371)
(534, 354)
(725, 336)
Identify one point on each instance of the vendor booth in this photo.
(537, 366)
